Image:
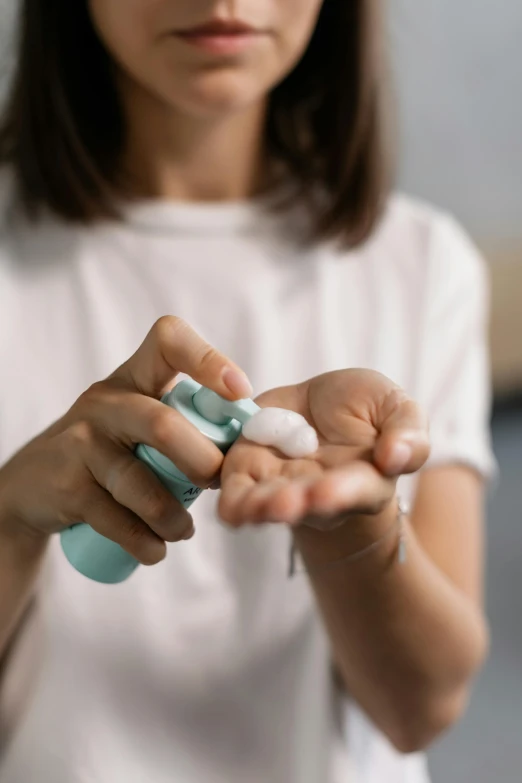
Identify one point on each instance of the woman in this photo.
(224, 165)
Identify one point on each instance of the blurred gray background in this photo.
(459, 73)
(458, 68)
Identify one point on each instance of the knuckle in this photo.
(78, 436)
(181, 524)
(74, 495)
(150, 558)
(99, 398)
(412, 410)
(135, 533)
(397, 398)
(209, 358)
(137, 539)
(208, 355)
(378, 505)
(160, 428)
(214, 467)
(93, 396)
(157, 509)
(168, 327)
(205, 473)
(122, 472)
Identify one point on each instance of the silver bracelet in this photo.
(398, 525)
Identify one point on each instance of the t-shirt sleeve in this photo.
(455, 374)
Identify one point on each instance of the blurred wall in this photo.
(459, 73)
(458, 68)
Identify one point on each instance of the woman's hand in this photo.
(82, 469)
(369, 431)
(405, 638)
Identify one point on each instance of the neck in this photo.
(172, 156)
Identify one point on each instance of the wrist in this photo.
(358, 534)
(20, 544)
(15, 535)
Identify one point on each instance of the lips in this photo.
(220, 38)
(219, 28)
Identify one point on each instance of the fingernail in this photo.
(237, 383)
(399, 457)
(189, 534)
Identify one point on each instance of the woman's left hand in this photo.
(370, 432)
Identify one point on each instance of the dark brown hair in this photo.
(63, 129)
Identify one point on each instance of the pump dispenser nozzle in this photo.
(220, 411)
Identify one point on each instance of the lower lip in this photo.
(223, 44)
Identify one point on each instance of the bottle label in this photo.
(190, 495)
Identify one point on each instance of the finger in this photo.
(234, 490)
(119, 524)
(403, 443)
(358, 489)
(254, 503)
(171, 347)
(260, 462)
(134, 486)
(134, 418)
(287, 503)
(304, 469)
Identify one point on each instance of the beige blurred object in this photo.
(506, 315)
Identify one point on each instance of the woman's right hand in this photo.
(83, 469)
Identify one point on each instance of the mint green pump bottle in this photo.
(218, 419)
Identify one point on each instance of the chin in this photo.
(216, 94)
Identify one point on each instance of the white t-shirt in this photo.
(213, 667)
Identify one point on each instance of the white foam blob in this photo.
(286, 430)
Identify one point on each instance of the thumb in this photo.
(403, 444)
(173, 347)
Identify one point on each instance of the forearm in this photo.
(21, 556)
(406, 641)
